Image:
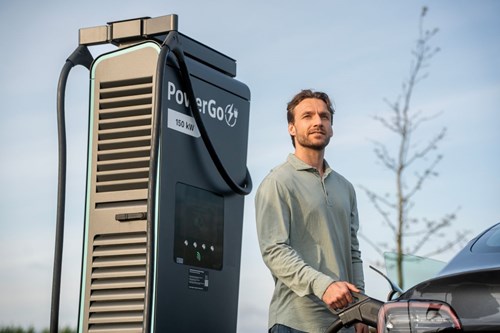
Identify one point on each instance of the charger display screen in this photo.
(199, 227)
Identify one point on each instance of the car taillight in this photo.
(417, 317)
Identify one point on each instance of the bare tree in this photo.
(412, 164)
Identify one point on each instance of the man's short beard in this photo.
(308, 144)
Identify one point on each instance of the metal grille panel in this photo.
(118, 281)
(124, 134)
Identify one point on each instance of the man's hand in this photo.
(338, 294)
(361, 328)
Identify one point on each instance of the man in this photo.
(307, 224)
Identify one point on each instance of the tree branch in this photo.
(375, 199)
(403, 121)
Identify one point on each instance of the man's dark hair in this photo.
(306, 93)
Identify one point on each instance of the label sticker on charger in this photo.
(198, 279)
(182, 123)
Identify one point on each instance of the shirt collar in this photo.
(300, 165)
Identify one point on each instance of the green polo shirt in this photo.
(307, 228)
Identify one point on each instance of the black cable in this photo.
(244, 189)
(81, 56)
(61, 200)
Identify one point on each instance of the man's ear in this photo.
(291, 129)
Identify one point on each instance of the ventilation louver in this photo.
(124, 134)
(118, 281)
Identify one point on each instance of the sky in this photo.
(359, 52)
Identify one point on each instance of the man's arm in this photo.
(273, 227)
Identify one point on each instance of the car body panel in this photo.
(483, 252)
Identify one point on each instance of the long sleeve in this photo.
(273, 215)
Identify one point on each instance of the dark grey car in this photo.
(463, 297)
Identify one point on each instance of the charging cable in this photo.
(81, 56)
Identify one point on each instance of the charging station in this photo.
(168, 133)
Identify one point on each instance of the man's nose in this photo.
(317, 119)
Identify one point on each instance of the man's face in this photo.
(312, 126)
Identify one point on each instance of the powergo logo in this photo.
(229, 113)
